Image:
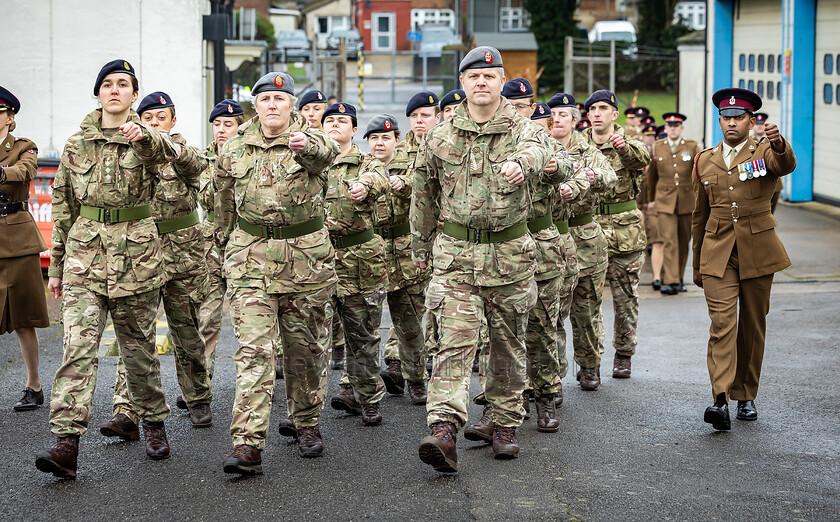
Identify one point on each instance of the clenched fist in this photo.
(513, 172)
(297, 141)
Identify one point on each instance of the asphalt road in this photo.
(633, 450)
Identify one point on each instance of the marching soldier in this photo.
(21, 282)
(736, 249)
(279, 263)
(621, 221)
(106, 258)
(450, 102)
(633, 116)
(312, 106)
(590, 244)
(226, 118)
(355, 184)
(670, 195)
(406, 283)
(471, 171)
(176, 218)
(655, 243)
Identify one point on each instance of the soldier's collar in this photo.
(354, 157)
(499, 123)
(252, 134)
(92, 127)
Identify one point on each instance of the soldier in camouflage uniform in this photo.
(621, 221)
(270, 180)
(226, 118)
(176, 218)
(590, 243)
(106, 258)
(471, 171)
(355, 184)
(406, 283)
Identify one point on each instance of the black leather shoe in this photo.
(746, 411)
(718, 414)
(682, 286)
(181, 403)
(672, 289)
(31, 399)
(657, 284)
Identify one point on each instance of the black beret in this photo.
(274, 81)
(421, 99)
(517, 89)
(482, 57)
(8, 101)
(561, 99)
(602, 95)
(311, 97)
(341, 108)
(115, 66)
(673, 118)
(542, 110)
(381, 123)
(453, 97)
(155, 100)
(734, 102)
(227, 108)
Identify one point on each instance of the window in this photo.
(770, 88)
(752, 62)
(828, 91)
(760, 90)
(779, 63)
(837, 97)
(828, 64)
(432, 16)
(741, 84)
(779, 90)
(838, 64)
(771, 63)
(760, 63)
(514, 19)
(383, 32)
(742, 62)
(751, 86)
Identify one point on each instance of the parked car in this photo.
(434, 37)
(622, 31)
(355, 45)
(295, 46)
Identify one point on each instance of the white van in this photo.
(618, 30)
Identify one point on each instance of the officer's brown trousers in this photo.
(738, 310)
(676, 229)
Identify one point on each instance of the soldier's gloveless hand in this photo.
(590, 174)
(551, 167)
(132, 131)
(396, 183)
(773, 135)
(358, 192)
(55, 287)
(618, 142)
(512, 171)
(698, 279)
(566, 192)
(297, 141)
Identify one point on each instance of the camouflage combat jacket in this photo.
(176, 195)
(624, 231)
(206, 195)
(265, 183)
(360, 268)
(112, 259)
(456, 177)
(589, 238)
(402, 272)
(546, 200)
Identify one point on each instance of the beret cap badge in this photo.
(488, 58)
(341, 108)
(127, 67)
(278, 81)
(387, 125)
(230, 108)
(457, 96)
(162, 100)
(431, 100)
(565, 99)
(522, 88)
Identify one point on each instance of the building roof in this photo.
(521, 41)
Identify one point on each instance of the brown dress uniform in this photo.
(737, 252)
(669, 186)
(23, 302)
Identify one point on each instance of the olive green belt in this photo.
(397, 230)
(540, 223)
(583, 219)
(171, 225)
(211, 216)
(284, 232)
(484, 236)
(615, 208)
(341, 241)
(562, 226)
(116, 215)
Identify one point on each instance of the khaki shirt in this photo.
(669, 176)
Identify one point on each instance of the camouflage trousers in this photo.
(407, 342)
(83, 314)
(300, 320)
(181, 303)
(466, 317)
(570, 278)
(210, 319)
(623, 277)
(361, 315)
(586, 315)
(541, 338)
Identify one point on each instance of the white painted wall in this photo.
(691, 103)
(54, 51)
